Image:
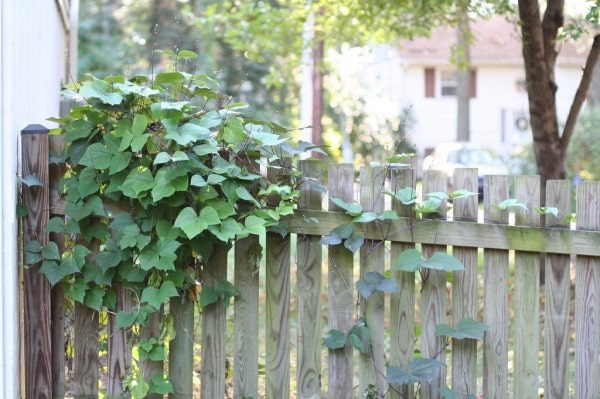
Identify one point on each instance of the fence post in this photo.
(527, 295)
(558, 297)
(464, 288)
(433, 294)
(402, 304)
(587, 299)
(495, 300)
(372, 259)
(37, 343)
(309, 293)
(340, 287)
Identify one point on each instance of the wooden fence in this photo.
(536, 337)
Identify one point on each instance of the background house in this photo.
(37, 55)
(419, 75)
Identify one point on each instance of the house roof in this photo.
(497, 41)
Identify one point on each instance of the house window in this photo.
(448, 83)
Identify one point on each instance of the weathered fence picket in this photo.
(421, 304)
(464, 283)
(340, 292)
(558, 297)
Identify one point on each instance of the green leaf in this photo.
(510, 203)
(366, 217)
(50, 251)
(138, 181)
(174, 78)
(406, 195)
(461, 194)
(547, 210)
(155, 297)
(160, 385)
(360, 337)
(126, 319)
(88, 184)
(419, 370)
(192, 224)
(232, 131)
(161, 157)
(55, 225)
(338, 234)
(30, 181)
(411, 260)
(93, 298)
(467, 328)
(255, 225)
(97, 156)
(119, 162)
(354, 242)
(101, 90)
(334, 339)
(443, 261)
(374, 281)
(226, 291)
(55, 271)
(78, 129)
(227, 230)
(187, 133)
(351, 209)
(208, 296)
(388, 215)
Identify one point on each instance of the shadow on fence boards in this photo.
(538, 337)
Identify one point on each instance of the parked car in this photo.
(452, 155)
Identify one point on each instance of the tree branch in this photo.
(581, 93)
(552, 22)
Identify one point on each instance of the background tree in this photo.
(540, 51)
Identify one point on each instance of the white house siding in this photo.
(497, 104)
(33, 46)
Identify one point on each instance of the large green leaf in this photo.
(411, 260)
(155, 297)
(360, 337)
(138, 181)
(101, 90)
(420, 370)
(374, 281)
(466, 328)
(193, 224)
(97, 156)
(334, 340)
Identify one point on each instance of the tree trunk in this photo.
(541, 89)
(463, 75)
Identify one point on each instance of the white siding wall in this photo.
(32, 67)
(493, 111)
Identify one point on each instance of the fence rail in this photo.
(501, 288)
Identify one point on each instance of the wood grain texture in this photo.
(456, 233)
(402, 304)
(181, 349)
(85, 361)
(277, 305)
(36, 288)
(558, 298)
(212, 369)
(464, 287)
(527, 296)
(55, 144)
(309, 260)
(495, 296)
(340, 288)
(246, 311)
(587, 299)
(433, 295)
(119, 351)
(372, 259)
